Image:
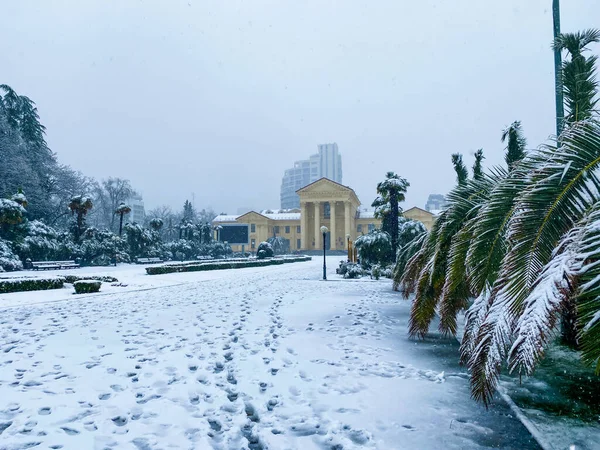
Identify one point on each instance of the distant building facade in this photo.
(137, 214)
(435, 203)
(323, 202)
(327, 163)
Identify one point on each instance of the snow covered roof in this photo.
(366, 214)
(436, 212)
(225, 218)
(283, 216)
(274, 216)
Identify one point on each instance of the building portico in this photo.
(328, 203)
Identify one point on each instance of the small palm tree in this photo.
(79, 206)
(121, 210)
(390, 193)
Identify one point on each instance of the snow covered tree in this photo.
(477, 165)
(8, 260)
(189, 214)
(374, 248)
(109, 194)
(578, 74)
(462, 174)
(121, 210)
(264, 250)
(516, 143)
(280, 245)
(387, 205)
(156, 224)
(79, 206)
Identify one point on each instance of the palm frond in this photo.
(563, 184)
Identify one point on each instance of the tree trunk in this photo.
(394, 212)
(121, 224)
(79, 226)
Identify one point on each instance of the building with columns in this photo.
(323, 202)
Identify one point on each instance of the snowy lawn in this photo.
(256, 358)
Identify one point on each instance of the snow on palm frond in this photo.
(455, 292)
(573, 271)
(473, 319)
(405, 254)
(536, 325)
(563, 185)
(489, 245)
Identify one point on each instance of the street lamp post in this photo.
(324, 231)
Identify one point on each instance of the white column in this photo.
(303, 230)
(347, 219)
(332, 236)
(317, 226)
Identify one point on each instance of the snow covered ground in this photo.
(239, 359)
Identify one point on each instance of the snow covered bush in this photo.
(98, 247)
(264, 250)
(30, 284)
(353, 271)
(87, 286)
(374, 248)
(280, 245)
(8, 260)
(376, 271)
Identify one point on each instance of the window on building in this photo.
(371, 227)
(287, 230)
(252, 228)
(298, 244)
(298, 229)
(326, 210)
(359, 228)
(276, 229)
(253, 243)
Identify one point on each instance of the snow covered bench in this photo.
(149, 260)
(49, 265)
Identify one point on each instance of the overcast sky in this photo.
(218, 98)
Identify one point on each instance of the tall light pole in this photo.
(560, 109)
(324, 231)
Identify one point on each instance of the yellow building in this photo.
(323, 202)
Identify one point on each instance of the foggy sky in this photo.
(218, 98)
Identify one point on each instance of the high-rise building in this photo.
(325, 164)
(435, 203)
(137, 214)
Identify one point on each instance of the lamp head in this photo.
(324, 229)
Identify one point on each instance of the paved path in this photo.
(268, 358)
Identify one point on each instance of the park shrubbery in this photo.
(200, 267)
(87, 286)
(30, 284)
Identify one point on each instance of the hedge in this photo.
(159, 270)
(87, 286)
(30, 284)
(71, 279)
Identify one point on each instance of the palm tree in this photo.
(121, 210)
(515, 149)
(578, 74)
(390, 193)
(80, 205)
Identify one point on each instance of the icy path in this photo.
(266, 358)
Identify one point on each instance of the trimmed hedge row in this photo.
(30, 284)
(87, 286)
(74, 278)
(224, 265)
